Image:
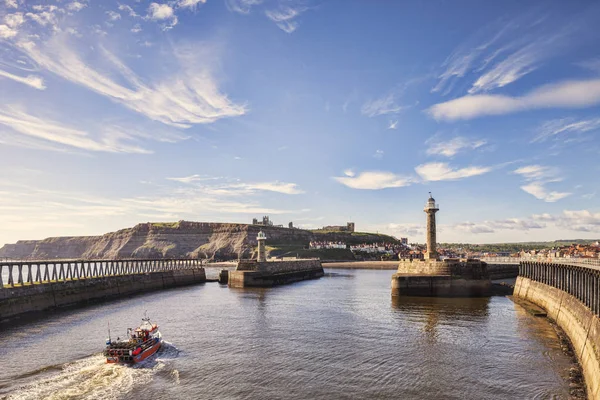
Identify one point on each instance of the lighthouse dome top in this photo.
(261, 236)
(431, 204)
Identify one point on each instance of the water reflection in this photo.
(433, 311)
(321, 339)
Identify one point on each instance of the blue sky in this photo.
(317, 112)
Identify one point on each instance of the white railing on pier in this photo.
(19, 273)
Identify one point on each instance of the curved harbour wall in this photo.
(18, 300)
(578, 321)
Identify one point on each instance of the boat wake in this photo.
(92, 378)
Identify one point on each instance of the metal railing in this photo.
(21, 273)
(591, 262)
(581, 282)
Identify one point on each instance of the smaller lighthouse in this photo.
(261, 246)
(431, 208)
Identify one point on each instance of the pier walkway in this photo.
(16, 273)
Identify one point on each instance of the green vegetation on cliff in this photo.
(352, 237)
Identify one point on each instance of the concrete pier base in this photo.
(250, 273)
(447, 278)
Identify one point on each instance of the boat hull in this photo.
(136, 358)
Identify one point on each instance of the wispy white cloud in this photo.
(11, 3)
(136, 28)
(436, 171)
(539, 191)
(384, 105)
(492, 226)
(453, 146)
(559, 127)
(33, 208)
(129, 10)
(284, 17)
(278, 187)
(378, 154)
(12, 22)
(189, 96)
(523, 61)
(109, 138)
(538, 176)
(404, 229)
(113, 15)
(162, 12)
(238, 188)
(30, 80)
(504, 52)
(242, 6)
(189, 3)
(194, 178)
(568, 94)
(536, 172)
(76, 6)
(373, 180)
(393, 124)
(591, 64)
(588, 196)
(468, 55)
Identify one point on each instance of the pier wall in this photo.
(571, 297)
(28, 298)
(251, 273)
(503, 271)
(446, 278)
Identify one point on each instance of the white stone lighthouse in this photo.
(261, 247)
(431, 208)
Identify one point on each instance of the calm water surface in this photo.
(338, 337)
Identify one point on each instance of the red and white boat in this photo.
(141, 343)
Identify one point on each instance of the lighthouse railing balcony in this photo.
(431, 206)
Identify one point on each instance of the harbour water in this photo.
(341, 336)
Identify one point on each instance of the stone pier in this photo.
(34, 286)
(447, 278)
(262, 273)
(443, 278)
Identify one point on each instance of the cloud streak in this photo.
(436, 171)
(373, 180)
(453, 146)
(382, 106)
(184, 99)
(567, 126)
(568, 94)
(284, 17)
(30, 80)
(28, 130)
(538, 176)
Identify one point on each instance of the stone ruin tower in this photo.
(431, 208)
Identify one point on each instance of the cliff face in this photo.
(159, 240)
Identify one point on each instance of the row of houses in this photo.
(327, 245)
